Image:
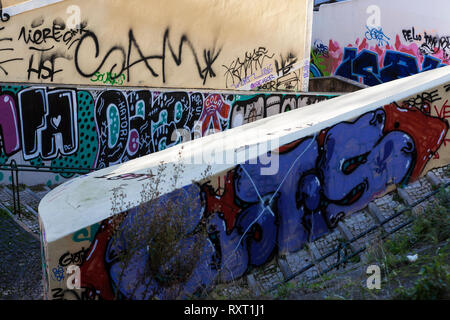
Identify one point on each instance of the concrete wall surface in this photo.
(63, 60)
(270, 187)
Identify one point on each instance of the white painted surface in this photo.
(84, 201)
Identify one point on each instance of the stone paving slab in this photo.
(418, 189)
(299, 260)
(268, 276)
(234, 291)
(21, 266)
(28, 217)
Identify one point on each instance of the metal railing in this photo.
(15, 169)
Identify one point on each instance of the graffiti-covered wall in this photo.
(208, 44)
(379, 41)
(249, 216)
(96, 128)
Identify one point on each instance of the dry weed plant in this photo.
(167, 228)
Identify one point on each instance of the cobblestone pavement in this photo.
(21, 265)
(20, 262)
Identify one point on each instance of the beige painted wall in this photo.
(225, 41)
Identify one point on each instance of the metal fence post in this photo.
(15, 186)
